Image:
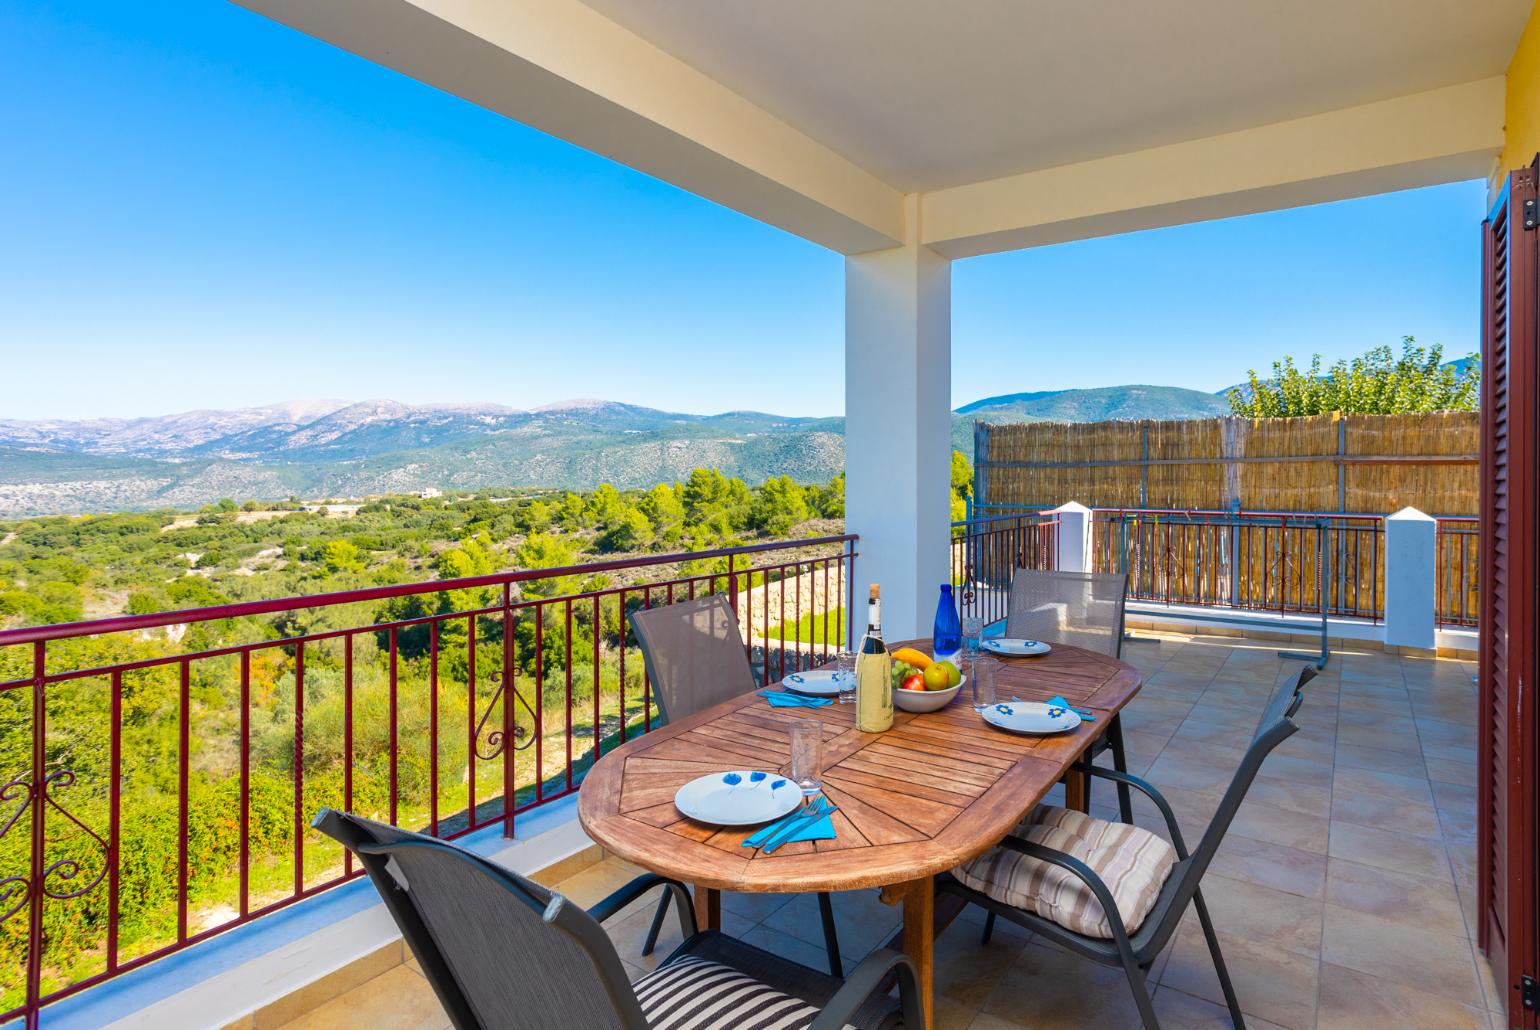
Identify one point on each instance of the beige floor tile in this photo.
(1385, 813)
(398, 1000)
(1271, 865)
(1458, 823)
(628, 931)
(1319, 747)
(1261, 821)
(1443, 733)
(1452, 771)
(1047, 988)
(794, 949)
(1296, 797)
(967, 971)
(1262, 914)
(1351, 1000)
(1178, 1010)
(1394, 735)
(1350, 782)
(1400, 852)
(1428, 904)
(951, 1014)
(862, 920)
(755, 907)
(1270, 983)
(595, 883)
(1424, 959)
(1351, 756)
(1453, 796)
(1384, 703)
(1304, 771)
(1192, 769)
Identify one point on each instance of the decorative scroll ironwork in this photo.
(58, 879)
(15, 889)
(496, 741)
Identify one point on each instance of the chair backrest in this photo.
(694, 655)
(499, 950)
(1276, 726)
(1084, 609)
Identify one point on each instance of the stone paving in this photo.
(1344, 893)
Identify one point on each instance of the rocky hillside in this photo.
(317, 449)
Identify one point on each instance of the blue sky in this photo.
(202, 208)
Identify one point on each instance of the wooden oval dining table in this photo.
(917, 800)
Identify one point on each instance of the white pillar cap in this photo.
(1410, 514)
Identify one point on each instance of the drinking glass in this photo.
(973, 635)
(845, 673)
(983, 681)
(807, 755)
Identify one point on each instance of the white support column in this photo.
(1410, 561)
(898, 400)
(1074, 554)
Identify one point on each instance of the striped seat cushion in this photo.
(694, 994)
(1131, 861)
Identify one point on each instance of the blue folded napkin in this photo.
(783, 699)
(817, 829)
(1084, 713)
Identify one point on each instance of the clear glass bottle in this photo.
(874, 673)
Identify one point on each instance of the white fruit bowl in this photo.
(926, 700)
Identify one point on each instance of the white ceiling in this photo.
(927, 94)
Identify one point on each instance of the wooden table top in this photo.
(933, 792)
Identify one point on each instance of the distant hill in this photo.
(1103, 404)
(1094, 405)
(317, 449)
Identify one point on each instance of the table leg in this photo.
(919, 933)
(1077, 794)
(708, 908)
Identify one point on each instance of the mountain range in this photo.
(330, 448)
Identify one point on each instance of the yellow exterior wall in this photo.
(1522, 128)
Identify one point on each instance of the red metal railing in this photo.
(1457, 545)
(173, 760)
(1269, 561)
(987, 551)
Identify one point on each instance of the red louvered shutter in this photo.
(1510, 601)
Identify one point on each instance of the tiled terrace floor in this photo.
(1344, 893)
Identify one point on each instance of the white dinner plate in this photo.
(1015, 647)
(818, 682)
(742, 797)
(1033, 717)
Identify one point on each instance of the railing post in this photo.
(732, 586)
(510, 714)
(1410, 580)
(1074, 537)
(39, 801)
(850, 594)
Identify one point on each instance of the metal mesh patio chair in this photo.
(1122, 920)
(695, 658)
(502, 952)
(1083, 609)
(694, 653)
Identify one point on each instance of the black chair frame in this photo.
(825, 905)
(1112, 738)
(1136, 953)
(841, 1002)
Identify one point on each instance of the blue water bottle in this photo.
(947, 638)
